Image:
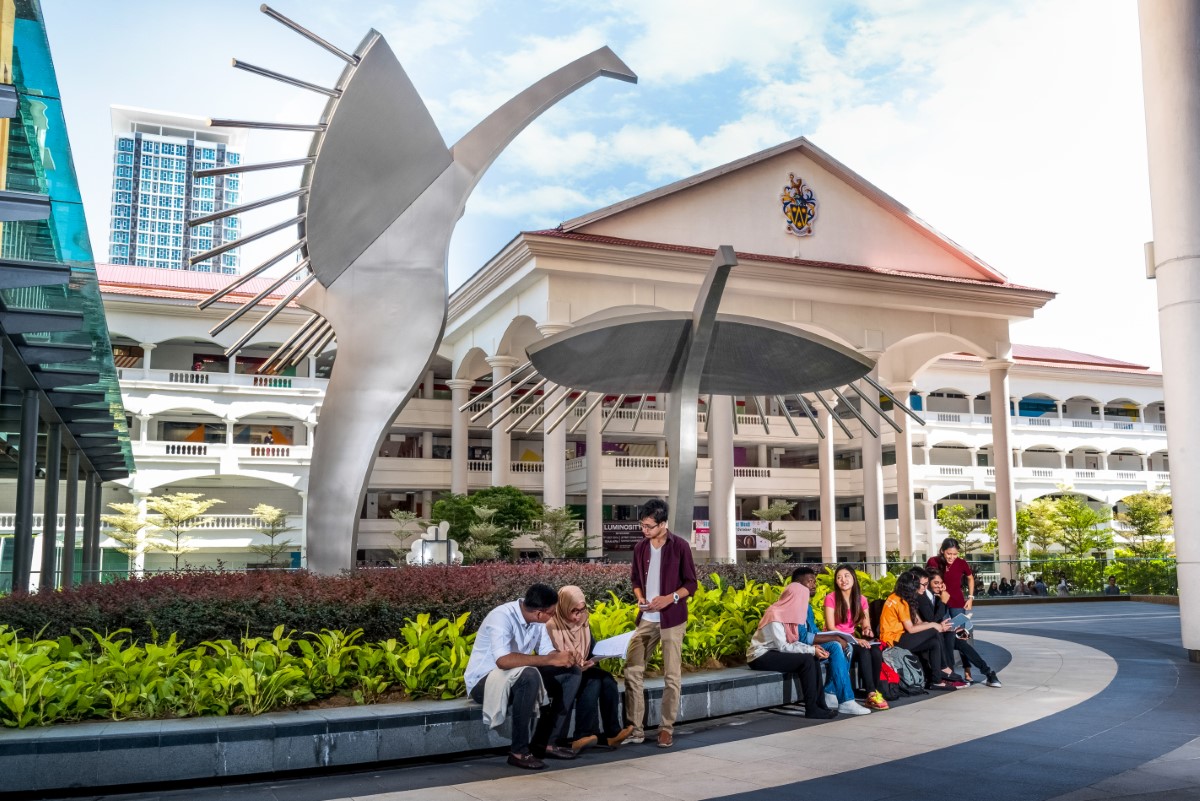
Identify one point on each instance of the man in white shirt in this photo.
(507, 639)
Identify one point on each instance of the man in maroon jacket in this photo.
(663, 576)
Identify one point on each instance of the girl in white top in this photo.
(776, 645)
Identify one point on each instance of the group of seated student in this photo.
(788, 640)
(918, 616)
(534, 656)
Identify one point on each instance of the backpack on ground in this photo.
(907, 667)
(889, 683)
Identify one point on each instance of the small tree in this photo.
(962, 523)
(407, 524)
(513, 510)
(175, 515)
(272, 524)
(1045, 524)
(1148, 514)
(488, 539)
(1083, 529)
(559, 535)
(777, 510)
(126, 527)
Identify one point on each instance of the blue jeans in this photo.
(838, 681)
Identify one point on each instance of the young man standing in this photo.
(506, 640)
(663, 576)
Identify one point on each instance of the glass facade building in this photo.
(155, 190)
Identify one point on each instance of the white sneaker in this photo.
(831, 700)
(852, 708)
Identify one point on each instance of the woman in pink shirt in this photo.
(846, 611)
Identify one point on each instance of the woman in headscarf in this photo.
(598, 692)
(777, 645)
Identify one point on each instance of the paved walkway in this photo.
(1098, 702)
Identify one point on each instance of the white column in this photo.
(1018, 457)
(1059, 406)
(1062, 460)
(501, 443)
(1145, 463)
(139, 498)
(763, 459)
(1006, 511)
(1101, 461)
(460, 390)
(312, 365)
(660, 448)
(231, 365)
(426, 503)
(311, 427)
(827, 483)
(722, 544)
(927, 449)
(974, 456)
(872, 459)
(147, 349)
(593, 461)
(229, 421)
(904, 488)
(426, 444)
(143, 428)
(427, 385)
(554, 447)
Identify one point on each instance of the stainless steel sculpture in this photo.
(380, 197)
(689, 355)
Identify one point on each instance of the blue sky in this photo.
(1016, 129)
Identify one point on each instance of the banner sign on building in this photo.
(621, 535)
(745, 534)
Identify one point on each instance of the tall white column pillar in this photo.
(1006, 510)
(427, 385)
(827, 483)
(1062, 460)
(143, 428)
(460, 390)
(554, 447)
(594, 463)
(872, 467)
(721, 540)
(1058, 405)
(904, 488)
(147, 350)
(426, 444)
(501, 443)
(660, 448)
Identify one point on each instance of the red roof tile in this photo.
(156, 282)
(858, 268)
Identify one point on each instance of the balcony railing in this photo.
(1072, 423)
(1040, 474)
(8, 522)
(485, 466)
(216, 450)
(190, 378)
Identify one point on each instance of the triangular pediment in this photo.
(742, 204)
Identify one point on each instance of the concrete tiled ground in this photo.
(1098, 703)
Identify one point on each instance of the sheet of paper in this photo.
(613, 647)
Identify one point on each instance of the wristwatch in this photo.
(970, 597)
(674, 597)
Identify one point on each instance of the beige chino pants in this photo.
(641, 646)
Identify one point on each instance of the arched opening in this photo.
(1037, 409)
(1081, 411)
(1043, 458)
(950, 454)
(1125, 460)
(948, 401)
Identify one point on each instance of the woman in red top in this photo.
(954, 569)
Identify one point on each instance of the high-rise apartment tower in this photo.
(155, 191)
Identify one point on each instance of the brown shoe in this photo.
(583, 742)
(558, 752)
(665, 740)
(526, 761)
(620, 737)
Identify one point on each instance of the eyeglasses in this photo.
(650, 526)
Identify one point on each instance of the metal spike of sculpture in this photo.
(688, 355)
(381, 194)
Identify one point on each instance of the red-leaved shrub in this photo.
(205, 605)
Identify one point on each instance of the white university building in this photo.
(1005, 423)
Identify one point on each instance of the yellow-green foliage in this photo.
(112, 676)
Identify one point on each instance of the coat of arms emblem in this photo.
(799, 206)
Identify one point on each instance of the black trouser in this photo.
(562, 685)
(969, 654)
(808, 675)
(927, 641)
(870, 662)
(597, 702)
